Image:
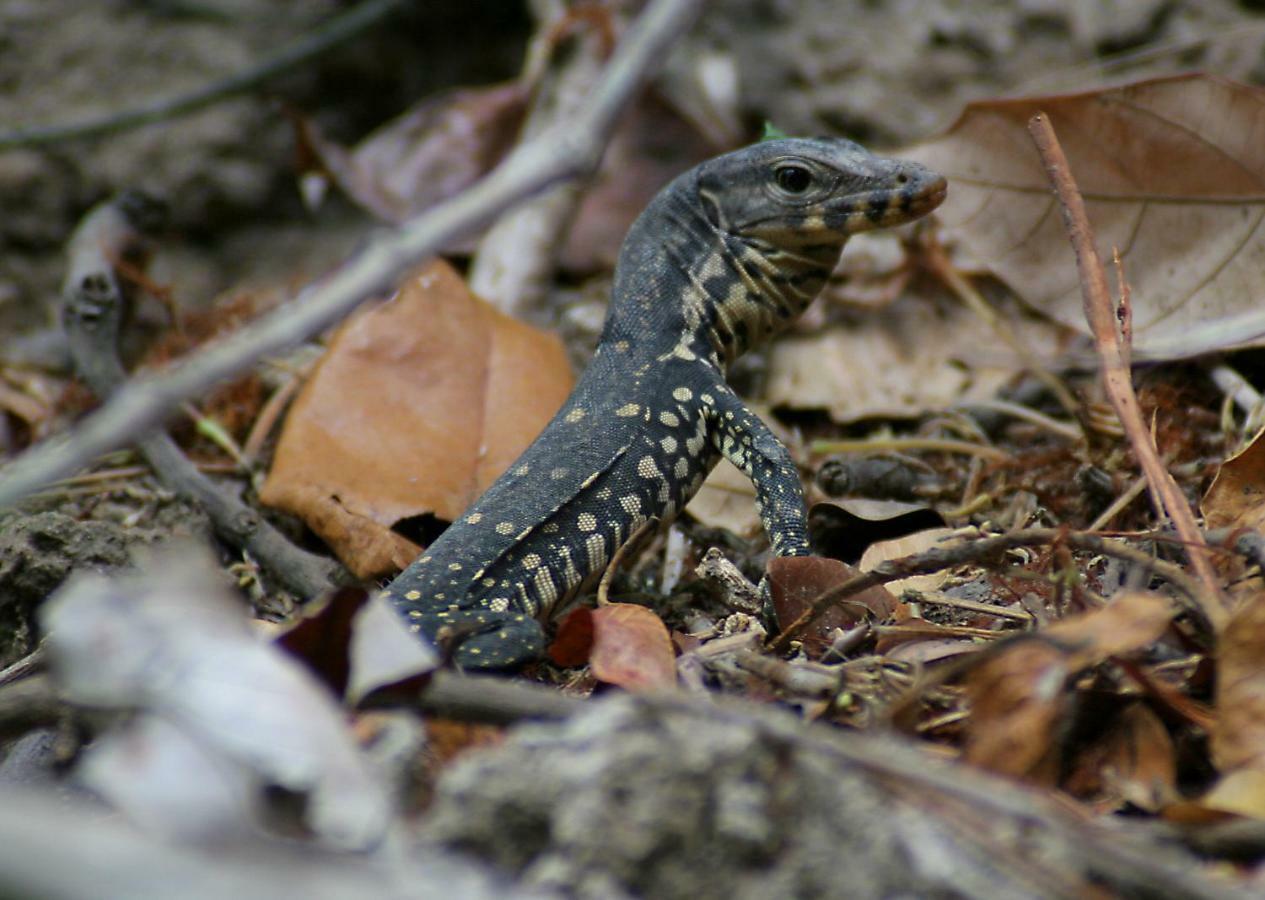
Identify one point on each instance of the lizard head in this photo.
(782, 211)
(797, 193)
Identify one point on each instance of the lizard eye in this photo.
(793, 179)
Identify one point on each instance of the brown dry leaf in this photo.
(418, 405)
(573, 641)
(433, 151)
(632, 648)
(1134, 761)
(1019, 694)
(1173, 173)
(795, 581)
(1133, 619)
(1018, 699)
(1238, 737)
(1236, 497)
(320, 634)
(902, 360)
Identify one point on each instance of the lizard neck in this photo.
(685, 287)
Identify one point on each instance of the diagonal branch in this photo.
(564, 152)
(1117, 377)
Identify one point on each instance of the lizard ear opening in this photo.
(709, 200)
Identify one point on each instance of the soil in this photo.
(226, 173)
(883, 73)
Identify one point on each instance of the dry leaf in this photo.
(625, 645)
(796, 581)
(1238, 737)
(632, 648)
(882, 551)
(1134, 762)
(1173, 173)
(726, 500)
(1018, 698)
(573, 642)
(926, 649)
(902, 360)
(418, 405)
(384, 654)
(1241, 792)
(1019, 694)
(1132, 620)
(1236, 497)
(320, 634)
(430, 153)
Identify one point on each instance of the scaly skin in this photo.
(724, 256)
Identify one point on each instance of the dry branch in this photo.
(940, 558)
(1117, 376)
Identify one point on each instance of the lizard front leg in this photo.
(743, 439)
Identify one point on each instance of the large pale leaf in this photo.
(421, 402)
(902, 360)
(1173, 173)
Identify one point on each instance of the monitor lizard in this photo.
(721, 258)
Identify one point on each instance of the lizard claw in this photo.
(481, 639)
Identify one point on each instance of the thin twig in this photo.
(327, 36)
(1117, 506)
(25, 667)
(491, 700)
(940, 598)
(570, 150)
(939, 558)
(1069, 430)
(932, 445)
(975, 302)
(1107, 326)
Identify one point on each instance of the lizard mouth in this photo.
(883, 209)
(932, 197)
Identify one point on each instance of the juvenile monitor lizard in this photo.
(725, 255)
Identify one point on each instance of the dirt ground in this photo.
(884, 73)
(227, 173)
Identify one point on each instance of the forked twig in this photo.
(1109, 332)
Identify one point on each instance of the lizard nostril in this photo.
(902, 178)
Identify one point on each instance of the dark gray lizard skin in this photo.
(724, 256)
